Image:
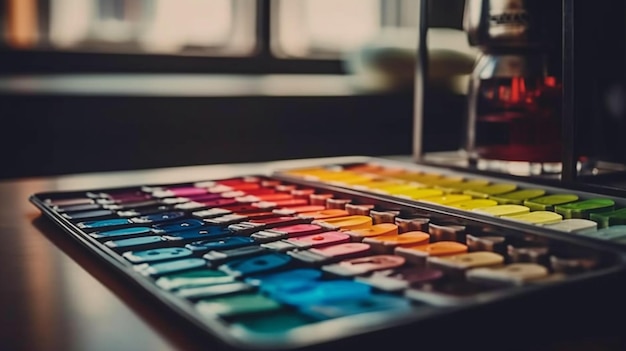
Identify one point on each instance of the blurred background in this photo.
(99, 85)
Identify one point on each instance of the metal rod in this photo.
(569, 116)
(421, 80)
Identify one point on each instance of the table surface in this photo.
(54, 296)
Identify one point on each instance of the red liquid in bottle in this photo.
(518, 119)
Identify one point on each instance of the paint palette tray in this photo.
(556, 209)
(308, 259)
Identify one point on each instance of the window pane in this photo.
(176, 24)
(20, 28)
(309, 28)
(203, 27)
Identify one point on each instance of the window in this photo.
(287, 35)
(330, 28)
(324, 27)
(205, 27)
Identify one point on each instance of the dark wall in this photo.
(45, 135)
